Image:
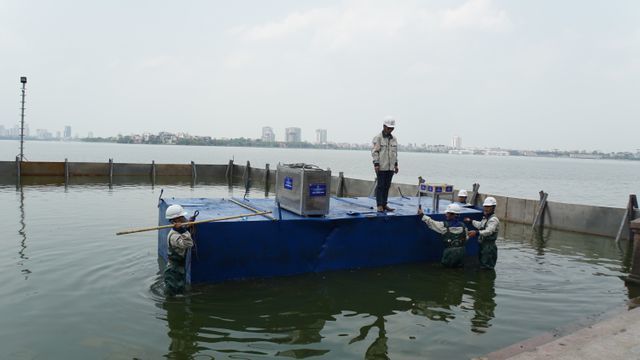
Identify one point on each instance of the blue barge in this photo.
(351, 236)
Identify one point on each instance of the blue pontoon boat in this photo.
(352, 235)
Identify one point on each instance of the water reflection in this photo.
(22, 232)
(295, 316)
(484, 303)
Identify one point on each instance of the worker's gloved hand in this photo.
(473, 233)
(194, 216)
(395, 169)
(420, 212)
(376, 168)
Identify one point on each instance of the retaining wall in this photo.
(596, 220)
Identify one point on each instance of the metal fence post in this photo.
(266, 180)
(153, 173)
(18, 170)
(340, 189)
(66, 172)
(110, 172)
(194, 175)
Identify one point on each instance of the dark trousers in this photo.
(382, 189)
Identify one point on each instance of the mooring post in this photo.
(110, 172)
(66, 171)
(542, 205)
(153, 173)
(627, 218)
(18, 170)
(194, 175)
(340, 189)
(229, 173)
(634, 275)
(246, 175)
(373, 188)
(266, 180)
(474, 194)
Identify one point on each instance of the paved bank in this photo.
(612, 339)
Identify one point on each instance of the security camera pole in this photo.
(23, 80)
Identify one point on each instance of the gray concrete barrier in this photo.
(595, 220)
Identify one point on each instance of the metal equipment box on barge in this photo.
(303, 189)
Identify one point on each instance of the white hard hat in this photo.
(462, 192)
(175, 211)
(490, 201)
(453, 208)
(389, 121)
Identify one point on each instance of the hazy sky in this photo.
(517, 74)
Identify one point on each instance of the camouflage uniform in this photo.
(178, 241)
(454, 234)
(488, 230)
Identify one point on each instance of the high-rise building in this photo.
(2, 130)
(456, 142)
(14, 132)
(90, 135)
(321, 136)
(268, 135)
(293, 134)
(67, 132)
(43, 134)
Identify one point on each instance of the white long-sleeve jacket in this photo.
(487, 228)
(385, 151)
(438, 226)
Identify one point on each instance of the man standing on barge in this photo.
(385, 162)
(488, 234)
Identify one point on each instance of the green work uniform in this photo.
(488, 230)
(178, 242)
(454, 234)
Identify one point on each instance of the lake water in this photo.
(73, 290)
(578, 181)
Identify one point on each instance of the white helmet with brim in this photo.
(174, 212)
(389, 121)
(490, 201)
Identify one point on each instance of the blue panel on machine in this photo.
(352, 235)
(318, 190)
(288, 183)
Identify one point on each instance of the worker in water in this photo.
(462, 198)
(385, 162)
(454, 235)
(488, 233)
(179, 241)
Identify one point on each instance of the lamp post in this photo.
(23, 80)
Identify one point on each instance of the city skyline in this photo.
(43, 134)
(268, 134)
(497, 73)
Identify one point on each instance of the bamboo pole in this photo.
(191, 223)
(248, 207)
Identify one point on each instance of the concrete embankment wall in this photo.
(596, 220)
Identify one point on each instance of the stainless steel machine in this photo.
(303, 189)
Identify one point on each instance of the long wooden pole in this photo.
(246, 206)
(192, 223)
